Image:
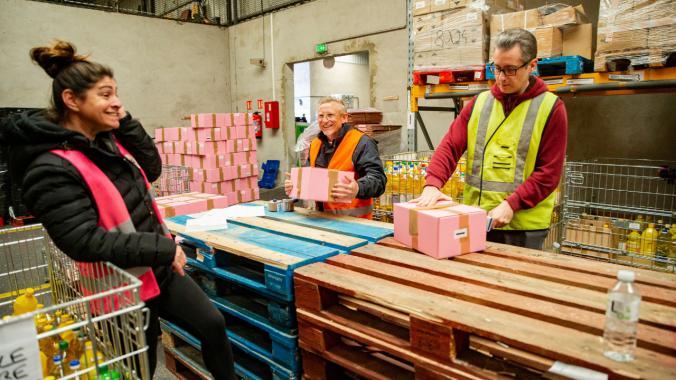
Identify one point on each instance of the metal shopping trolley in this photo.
(29, 259)
(173, 181)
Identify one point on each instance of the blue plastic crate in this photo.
(270, 168)
(572, 64)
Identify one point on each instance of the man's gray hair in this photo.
(329, 99)
(525, 39)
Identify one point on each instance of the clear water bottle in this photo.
(624, 301)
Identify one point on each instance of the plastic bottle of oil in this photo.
(47, 344)
(648, 239)
(87, 361)
(25, 303)
(634, 242)
(416, 181)
(423, 175)
(641, 222)
(395, 178)
(43, 363)
(57, 370)
(388, 175)
(73, 367)
(461, 188)
(402, 178)
(662, 250)
(76, 346)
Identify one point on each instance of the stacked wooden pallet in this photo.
(364, 116)
(247, 271)
(374, 130)
(386, 312)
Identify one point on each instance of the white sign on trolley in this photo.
(19, 351)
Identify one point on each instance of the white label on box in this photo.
(220, 157)
(635, 226)
(19, 352)
(580, 81)
(439, 2)
(577, 373)
(477, 75)
(627, 77)
(243, 192)
(227, 163)
(215, 185)
(255, 166)
(411, 120)
(459, 234)
(554, 81)
(457, 87)
(237, 180)
(419, 4)
(246, 149)
(472, 16)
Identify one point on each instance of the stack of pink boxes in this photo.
(219, 149)
(190, 203)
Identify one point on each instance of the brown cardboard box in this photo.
(529, 19)
(421, 7)
(456, 3)
(662, 36)
(550, 42)
(570, 15)
(632, 39)
(440, 5)
(425, 28)
(577, 40)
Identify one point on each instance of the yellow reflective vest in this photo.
(501, 155)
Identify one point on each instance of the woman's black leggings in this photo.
(184, 304)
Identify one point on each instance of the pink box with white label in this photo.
(256, 193)
(203, 120)
(315, 184)
(243, 171)
(206, 162)
(168, 147)
(185, 147)
(210, 147)
(251, 157)
(444, 230)
(244, 196)
(211, 175)
(229, 133)
(246, 131)
(208, 134)
(217, 201)
(242, 145)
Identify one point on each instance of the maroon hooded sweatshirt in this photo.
(550, 157)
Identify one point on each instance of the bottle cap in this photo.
(42, 320)
(660, 221)
(30, 291)
(49, 328)
(63, 345)
(58, 314)
(40, 306)
(625, 275)
(57, 359)
(50, 378)
(650, 225)
(74, 364)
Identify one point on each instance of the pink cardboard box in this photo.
(253, 145)
(206, 162)
(239, 158)
(208, 134)
(242, 145)
(210, 148)
(221, 120)
(229, 133)
(315, 184)
(159, 134)
(160, 147)
(203, 120)
(251, 157)
(444, 230)
(168, 147)
(244, 196)
(198, 205)
(211, 175)
(187, 134)
(256, 193)
(244, 171)
(241, 118)
(179, 208)
(246, 131)
(185, 147)
(232, 198)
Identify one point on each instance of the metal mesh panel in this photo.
(252, 8)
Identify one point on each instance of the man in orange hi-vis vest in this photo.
(339, 146)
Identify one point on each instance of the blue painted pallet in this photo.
(270, 168)
(249, 363)
(355, 227)
(252, 257)
(571, 64)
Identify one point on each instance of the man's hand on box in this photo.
(430, 196)
(287, 184)
(342, 191)
(501, 215)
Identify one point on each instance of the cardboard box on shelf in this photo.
(577, 40)
(444, 230)
(550, 42)
(316, 184)
(440, 5)
(566, 16)
(421, 7)
(631, 39)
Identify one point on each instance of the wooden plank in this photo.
(318, 214)
(362, 364)
(184, 368)
(390, 242)
(643, 276)
(330, 239)
(556, 342)
(653, 314)
(594, 323)
(239, 248)
(582, 280)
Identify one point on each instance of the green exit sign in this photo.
(322, 48)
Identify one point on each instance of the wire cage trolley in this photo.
(618, 210)
(98, 303)
(174, 180)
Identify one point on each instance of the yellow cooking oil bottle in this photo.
(25, 303)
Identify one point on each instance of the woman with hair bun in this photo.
(85, 166)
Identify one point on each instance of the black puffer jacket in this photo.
(55, 192)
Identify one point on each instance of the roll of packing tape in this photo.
(274, 205)
(287, 205)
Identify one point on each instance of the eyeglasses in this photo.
(329, 116)
(510, 72)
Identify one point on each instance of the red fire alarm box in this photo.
(257, 120)
(271, 114)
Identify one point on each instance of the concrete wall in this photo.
(164, 70)
(342, 78)
(295, 32)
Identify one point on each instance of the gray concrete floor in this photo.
(161, 372)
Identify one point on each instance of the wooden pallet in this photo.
(249, 364)
(529, 303)
(636, 58)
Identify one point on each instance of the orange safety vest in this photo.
(342, 160)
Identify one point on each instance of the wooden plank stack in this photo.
(364, 116)
(374, 130)
(247, 271)
(387, 312)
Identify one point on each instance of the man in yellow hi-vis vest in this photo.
(515, 138)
